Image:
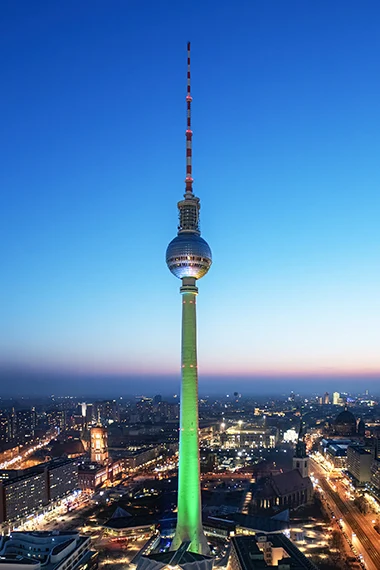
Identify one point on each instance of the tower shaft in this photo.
(189, 521)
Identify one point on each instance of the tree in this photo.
(361, 504)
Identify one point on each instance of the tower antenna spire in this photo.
(189, 132)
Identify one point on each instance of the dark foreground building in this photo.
(49, 550)
(266, 551)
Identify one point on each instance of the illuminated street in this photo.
(358, 527)
(17, 461)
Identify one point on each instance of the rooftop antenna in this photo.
(189, 133)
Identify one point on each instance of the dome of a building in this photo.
(345, 423)
(345, 417)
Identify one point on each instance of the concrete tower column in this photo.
(189, 522)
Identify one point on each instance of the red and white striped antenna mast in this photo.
(189, 132)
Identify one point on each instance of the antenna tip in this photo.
(188, 45)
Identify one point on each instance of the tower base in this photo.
(181, 558)
(198, 543)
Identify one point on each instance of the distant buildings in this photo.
(17, 427)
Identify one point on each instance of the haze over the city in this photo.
(286, 121)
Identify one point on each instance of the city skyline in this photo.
(286, 149)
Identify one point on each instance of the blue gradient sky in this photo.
(286, 119)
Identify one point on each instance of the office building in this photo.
(359, 462)
(26, 491)
(62, 478)
(22, 495)
(336, 398)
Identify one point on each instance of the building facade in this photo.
(22, 495)
(359, 463)
(250, 437)
(99, 445)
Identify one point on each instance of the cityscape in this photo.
(207, 431)
(291, 480)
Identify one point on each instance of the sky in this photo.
(286, 147)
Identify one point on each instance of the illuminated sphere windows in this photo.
(188, 255)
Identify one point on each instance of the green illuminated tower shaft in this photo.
(189, 522)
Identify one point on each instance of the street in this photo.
(358, 527)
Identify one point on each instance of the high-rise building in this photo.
(188, 257)
(336, 398)
(326, 398)
(99, 445)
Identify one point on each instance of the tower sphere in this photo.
(188, 255)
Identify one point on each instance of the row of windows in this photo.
(190, 258)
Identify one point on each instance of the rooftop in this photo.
(289, 482)
(119, 523)
(48, 549)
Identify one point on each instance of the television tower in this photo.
(188, 257)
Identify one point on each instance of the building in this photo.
(22, 495)
(251, 437)
(300, 458)
(49, 550)
(336, 398)
(107, 412)
(134, 459)
(326, 398)
(188, 257)
(62, 478)
(359, 463)
(226, 526)
(336, 454)
(122, 524)
(5, 429)
(287, 489)
(26, 491)
(361, 428)
(93, 475)
(266, 551)
(375, 476)
(345, 424)
(99, 445)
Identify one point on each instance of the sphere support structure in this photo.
(189, 521)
